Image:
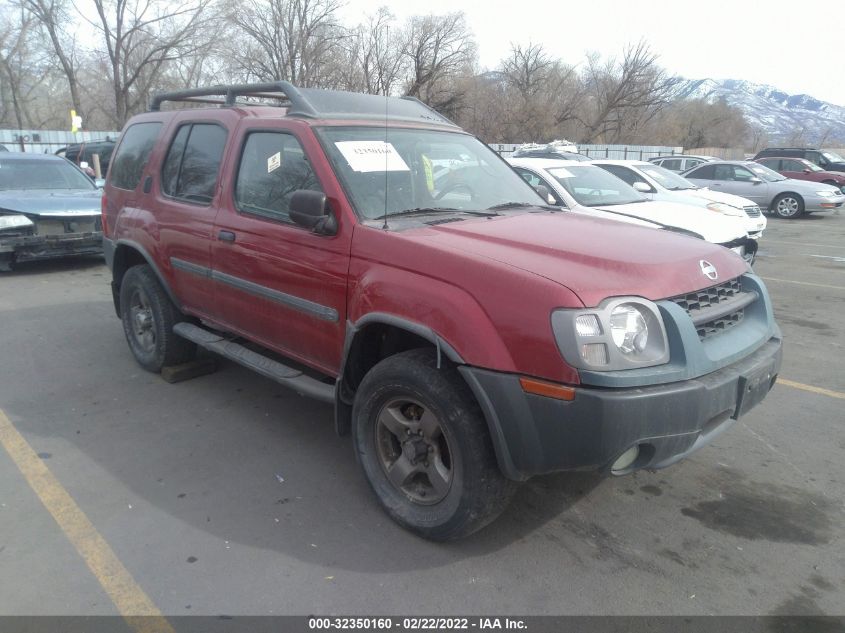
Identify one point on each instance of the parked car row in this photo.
(601, 190)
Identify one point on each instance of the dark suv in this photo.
(84, 152)
(369, 253)
(829, 161)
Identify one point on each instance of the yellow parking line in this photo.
(133, 604)
(803, 283)
(819, 390)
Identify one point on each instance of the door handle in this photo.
(226, 236)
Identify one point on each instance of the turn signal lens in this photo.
(547, 389)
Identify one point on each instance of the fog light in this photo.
(625, 459)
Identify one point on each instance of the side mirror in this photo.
(807, 171)
(308, 208)
(755, 180)
(99, 182)
(642, 187)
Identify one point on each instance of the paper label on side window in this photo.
(274, 162)
(367, 156)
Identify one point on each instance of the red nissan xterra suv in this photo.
(367, 252)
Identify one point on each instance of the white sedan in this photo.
(590, 190)
(658, 183)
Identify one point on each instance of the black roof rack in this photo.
(310, 102)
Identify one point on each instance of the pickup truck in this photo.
(367, 252)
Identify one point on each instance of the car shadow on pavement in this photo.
(231, 454)
(81, 263)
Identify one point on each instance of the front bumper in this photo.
(534, 435)
(33, 247)
(818, 203)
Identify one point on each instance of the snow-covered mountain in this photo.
(780, 114)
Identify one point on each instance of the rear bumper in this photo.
(33, 247)
(534, 435)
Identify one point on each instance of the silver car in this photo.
(785, 197)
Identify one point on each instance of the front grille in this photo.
(752, 212)
(703, 304)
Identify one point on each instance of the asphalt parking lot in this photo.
(228, 494)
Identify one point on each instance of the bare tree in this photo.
(626, 94)
(378, 53)
(51, 16)
(438, 49)
(287, 39)
(15, 62)
(140, 37)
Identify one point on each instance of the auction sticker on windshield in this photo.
(366, 156)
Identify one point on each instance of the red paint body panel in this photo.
(485, 286)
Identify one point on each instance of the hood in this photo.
(720, 196)
(802, 186)
(713, 227)
(593, 258)
(56, 202)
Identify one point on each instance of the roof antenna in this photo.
(386, 100)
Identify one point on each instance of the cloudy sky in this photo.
(796, 46)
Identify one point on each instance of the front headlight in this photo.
(621, 333)
(15, 222)
(725, 209)
(827, 193)
(628, 329)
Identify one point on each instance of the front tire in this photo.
(148, 317)
(788, 205)
(425, 449)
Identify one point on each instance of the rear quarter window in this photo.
(193, 162)
(133, 154)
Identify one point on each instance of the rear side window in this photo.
(135, 148)
(273, 166)
(790, 165)
(705, 171)
(622, 173)
(771, 163)
(193, 161)
(672, 163)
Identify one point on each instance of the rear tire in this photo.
(788, 205)
(425, 449)
(148, 317)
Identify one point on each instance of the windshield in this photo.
(41, 174)
(592, 186)
(769, 175)
(668, 179)
(398, 170)
(833, 157)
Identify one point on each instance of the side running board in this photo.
(265, 366)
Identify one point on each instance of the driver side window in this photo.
(273, 166)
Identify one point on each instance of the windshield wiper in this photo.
(511, 205)
(429, 210)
